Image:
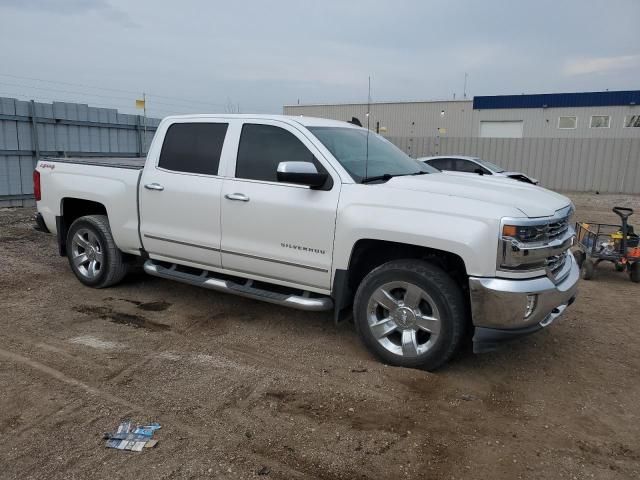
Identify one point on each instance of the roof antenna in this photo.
(366, 161)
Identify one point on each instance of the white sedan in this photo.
(475, 166)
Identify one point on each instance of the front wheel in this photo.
(410, 313)
(93, 255)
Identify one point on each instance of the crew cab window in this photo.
(193, 147)
(467, 166)
(263, 147)
(442, 163)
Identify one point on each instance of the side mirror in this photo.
(479, 171)
(301, 173)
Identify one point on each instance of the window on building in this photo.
(568, 123)
(600, 121)
(263, 147)
(193, 147)
(632, 121)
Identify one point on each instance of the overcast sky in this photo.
(263, 54)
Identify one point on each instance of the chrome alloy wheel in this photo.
(403, 318)
(87, 253)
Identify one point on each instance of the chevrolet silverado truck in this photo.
(319, 214)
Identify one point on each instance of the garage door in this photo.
(501, 129)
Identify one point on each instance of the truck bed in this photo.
(133, 163)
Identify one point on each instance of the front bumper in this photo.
(498, 305)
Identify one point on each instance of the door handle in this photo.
(237, 196)
(154, 186)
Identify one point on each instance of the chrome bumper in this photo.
(498, 303)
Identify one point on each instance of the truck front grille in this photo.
(558, 228)
(556, 262)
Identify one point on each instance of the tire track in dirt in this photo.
(61, 377)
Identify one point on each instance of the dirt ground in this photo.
(245, 389)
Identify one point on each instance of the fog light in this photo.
(532, 301)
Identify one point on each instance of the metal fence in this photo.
(607, 165)
(30, 130)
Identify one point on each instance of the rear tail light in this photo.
(36, 185)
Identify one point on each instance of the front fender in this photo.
(465, 228)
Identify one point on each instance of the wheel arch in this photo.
(368, 254)
(71, 209)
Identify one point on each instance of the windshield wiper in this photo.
(389, 176)
(386, 176)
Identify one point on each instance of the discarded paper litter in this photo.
(130, 436)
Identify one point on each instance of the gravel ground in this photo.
(245, 389)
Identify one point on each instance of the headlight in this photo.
(526, 233)
(528, 245)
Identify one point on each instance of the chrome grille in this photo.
(555, 263)
(558, 228)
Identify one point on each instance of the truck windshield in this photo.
(349, 146)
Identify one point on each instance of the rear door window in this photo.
(193, 147)
(442, 163)
(466, 166)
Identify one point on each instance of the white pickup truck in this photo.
(319, 214)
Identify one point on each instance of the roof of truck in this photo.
(306, 121)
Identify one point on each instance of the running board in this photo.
(207, 280)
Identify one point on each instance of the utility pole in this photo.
(464, 95)
(144, 101)
(369, 103)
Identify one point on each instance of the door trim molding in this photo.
(153, 237)
(272, 260)
(246, 255)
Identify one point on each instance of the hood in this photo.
(531, 200)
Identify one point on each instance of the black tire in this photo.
(588, 270)
(579, 255)
(112, 268)
(445, 293)
(634, 272)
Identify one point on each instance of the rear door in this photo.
(180, 194)
(278, 231)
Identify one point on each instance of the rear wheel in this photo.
(93, 255)
(410, 313)
(588, 270)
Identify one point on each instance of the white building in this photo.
(556, 115)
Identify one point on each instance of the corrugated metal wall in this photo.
(607, 165)
(29, 130)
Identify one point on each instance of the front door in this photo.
(180, 195)
(281, 232)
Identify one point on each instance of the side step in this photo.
(207, 280)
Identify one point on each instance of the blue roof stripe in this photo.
(558, 100)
